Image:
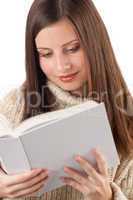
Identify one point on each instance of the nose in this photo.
(62, 62)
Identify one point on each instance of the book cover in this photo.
(54, 143)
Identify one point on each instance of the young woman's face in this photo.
(61, 56)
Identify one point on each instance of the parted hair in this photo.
(108, 84)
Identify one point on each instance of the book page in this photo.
(13, 158)
(5, 127)
(46, 118)
(54, 146)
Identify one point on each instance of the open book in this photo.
(51, 140)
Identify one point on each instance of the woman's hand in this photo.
(22, 185)
(92, 183)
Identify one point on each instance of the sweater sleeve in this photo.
(12, 107)
(117, 193)
(122, 185)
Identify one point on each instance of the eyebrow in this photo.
(62, 45)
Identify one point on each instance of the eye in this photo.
(74, 49)
(46, 55)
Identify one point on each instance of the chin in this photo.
(70, 87)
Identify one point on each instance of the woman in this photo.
(69, 59)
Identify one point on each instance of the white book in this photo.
(51, 140)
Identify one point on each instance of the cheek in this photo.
(79, 60)
(46, 68)
(83, 62)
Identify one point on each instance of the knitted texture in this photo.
(121, 177)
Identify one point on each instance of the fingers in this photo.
(76, 175)
(27, 191)
(70, 181)
(91, 172)
(101, 162)
(27, 184)
(93, 179)
(86, 166)
(20, 178)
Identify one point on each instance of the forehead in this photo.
(56, 34)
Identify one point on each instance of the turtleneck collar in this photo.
(64, 97)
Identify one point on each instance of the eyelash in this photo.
(72, 50)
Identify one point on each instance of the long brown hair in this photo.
(104, 70)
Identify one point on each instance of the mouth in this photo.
(69, 77)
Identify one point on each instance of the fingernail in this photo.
(78, 158)
(45, 171)
(37, 169)
(65, 168)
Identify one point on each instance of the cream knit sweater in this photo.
(121, 177)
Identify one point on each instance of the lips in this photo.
(68, 76)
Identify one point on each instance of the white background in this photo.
(117, 16)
